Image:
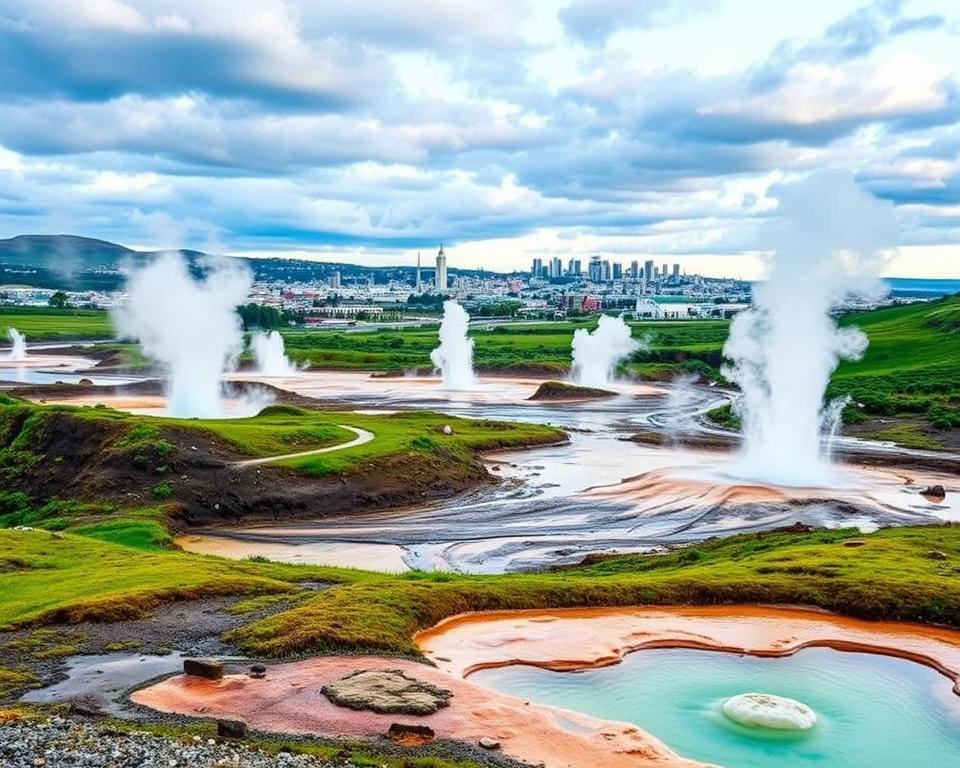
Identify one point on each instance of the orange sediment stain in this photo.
(289, 699)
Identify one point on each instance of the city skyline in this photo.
(653, 129)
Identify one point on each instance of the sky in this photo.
(367, 130)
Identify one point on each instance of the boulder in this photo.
(488, 742)
(934, 493)
(209, 669)
(763, 710)
(386, 692)
(854, 543)
(258, 671)
(936, 554)
(231, 729)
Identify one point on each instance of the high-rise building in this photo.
(556, 267)
(419, 284)
(441, 280)
(664, 272)
(335, 281)
(648, 271)
(536, 269)
(617, 270)
(676, 271)
(634, 270)
(576, 267)
(595, 270)
(607, 273)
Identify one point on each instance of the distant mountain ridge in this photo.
(75, 263)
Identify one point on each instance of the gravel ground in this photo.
(60, 743)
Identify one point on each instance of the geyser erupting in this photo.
(596, 355)
(830, 240)
(268, 354)
(190, 326)
(454, 356)
(18, 348)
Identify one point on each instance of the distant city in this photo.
(329, 295)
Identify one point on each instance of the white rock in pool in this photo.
(761, 710)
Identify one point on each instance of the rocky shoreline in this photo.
(61, 743)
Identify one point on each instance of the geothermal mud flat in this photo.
(601, 492)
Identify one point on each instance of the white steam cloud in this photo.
(269, 355)
(830, 240)
(18, 348)
(190, 326)
(454, 356)
(596, 355)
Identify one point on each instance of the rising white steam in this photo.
(830, 240)
(596, 355)
(269, 356)
(454, 356)
(18, 348)
(190, 326)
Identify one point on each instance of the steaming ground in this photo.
(599, 493)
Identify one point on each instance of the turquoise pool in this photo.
(873, 711)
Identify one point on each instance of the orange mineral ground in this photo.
(289, 700)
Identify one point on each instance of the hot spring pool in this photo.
(873, 711)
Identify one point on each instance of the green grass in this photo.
(69, 578)
(912, 364)
(72, 578)
(891, 577)
(506, 348)
(46, 324)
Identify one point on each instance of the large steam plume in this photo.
(830, 240)
(190, 326)
(596, 355)
(454, 356)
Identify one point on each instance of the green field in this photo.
(45, 324)
(74, 578)
(517, 347)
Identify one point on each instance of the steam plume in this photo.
(190, 326)
(18, 349)
(830, 240)
(269, 356)
(596, 355)
(454, 356)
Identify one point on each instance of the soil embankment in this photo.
(201, 480)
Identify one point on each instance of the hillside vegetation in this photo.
(122, 476)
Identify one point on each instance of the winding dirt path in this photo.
(362, 436)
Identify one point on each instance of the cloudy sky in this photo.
(363, 130)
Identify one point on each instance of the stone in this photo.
(447, 429)
(488, 742)
(763, 710)
(258, 671)
(409, 735)
(231, 729)
(934, 493)
(388, 692)
(936, 554)
(209, 669)
(854, 543)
